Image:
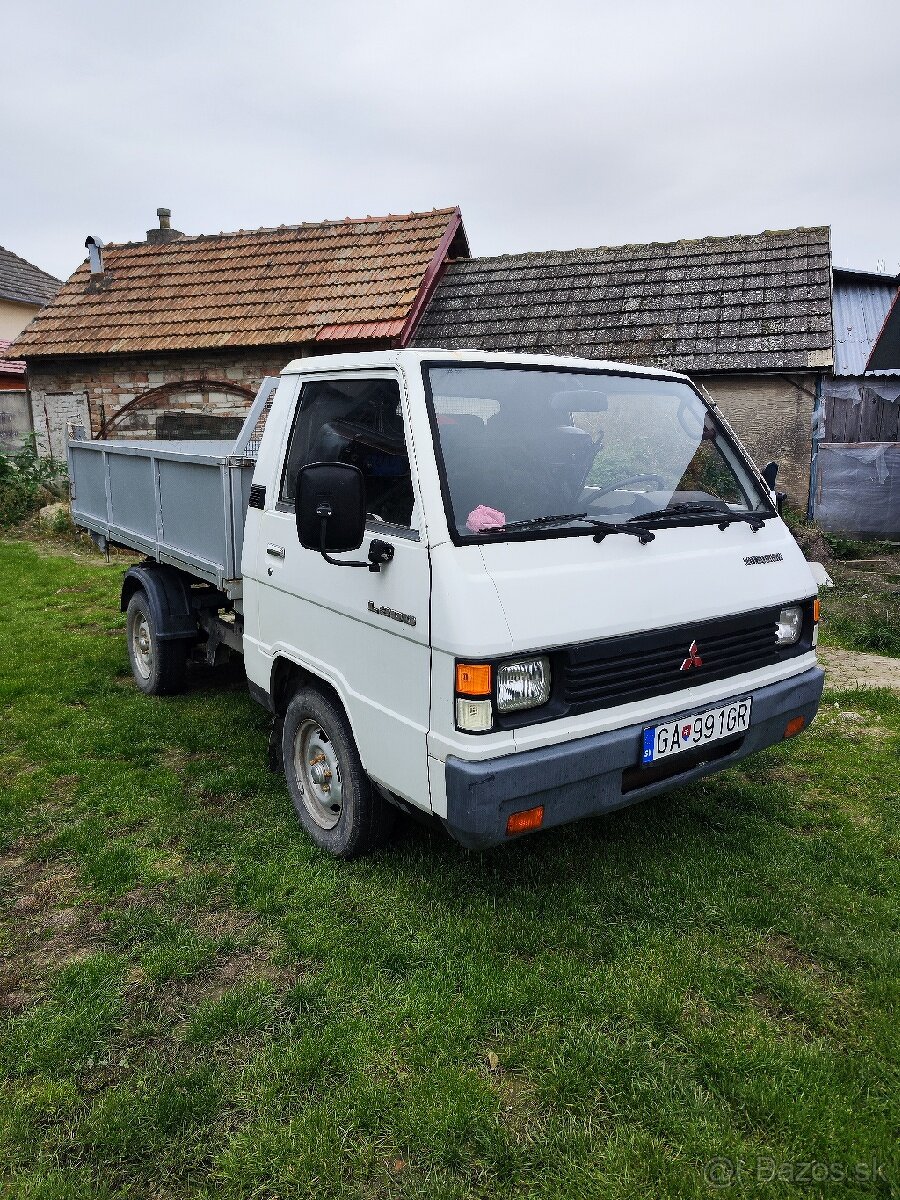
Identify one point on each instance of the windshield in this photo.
(522, 445)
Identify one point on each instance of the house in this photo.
(748, 317)
(171, 336)
(856, 458)
(24, 290)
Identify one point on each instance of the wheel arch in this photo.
(288, 676)
(168, 595)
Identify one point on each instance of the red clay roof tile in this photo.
(253, 288)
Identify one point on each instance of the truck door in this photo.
(366, 633)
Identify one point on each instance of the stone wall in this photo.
(772, 416)
(122, 395)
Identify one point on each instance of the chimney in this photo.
(165, 233)
(94, 247)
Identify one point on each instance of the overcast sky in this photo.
(553, 124)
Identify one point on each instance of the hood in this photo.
(562, 590)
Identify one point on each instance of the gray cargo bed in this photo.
(181, 503)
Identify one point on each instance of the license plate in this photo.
(664, 740)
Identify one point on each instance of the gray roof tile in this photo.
(24, 283)
(758, 302)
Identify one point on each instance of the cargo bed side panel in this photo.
(194, 521)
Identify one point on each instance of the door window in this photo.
(356, 421)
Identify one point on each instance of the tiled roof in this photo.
(745, 303)
(10, 366)
(23, 282)
(334, 280)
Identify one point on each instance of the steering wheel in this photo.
(612, 487)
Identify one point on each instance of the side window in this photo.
(357, 421)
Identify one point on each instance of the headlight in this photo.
(523, 684)
(790, 625)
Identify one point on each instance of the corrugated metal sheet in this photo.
(860, 305)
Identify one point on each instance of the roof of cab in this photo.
(375, 359)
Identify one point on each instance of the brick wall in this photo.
(772, 415)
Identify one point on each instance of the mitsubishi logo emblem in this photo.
(693, 659)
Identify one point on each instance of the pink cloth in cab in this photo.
(482, 518)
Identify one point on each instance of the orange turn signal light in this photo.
(473, 679)
(794, 726)
(523, 822)
(816, 609)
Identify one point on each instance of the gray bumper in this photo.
(600, 773)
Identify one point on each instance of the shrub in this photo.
(24, 476)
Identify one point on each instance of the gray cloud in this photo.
(553, 124)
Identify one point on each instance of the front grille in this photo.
(621, 670)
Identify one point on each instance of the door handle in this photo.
(275, 551)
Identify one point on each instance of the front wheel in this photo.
(336, 804)
(158, 665)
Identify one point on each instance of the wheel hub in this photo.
(142, 646)
(318, 774)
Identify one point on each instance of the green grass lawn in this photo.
(196, 1002)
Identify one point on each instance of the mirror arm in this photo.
(324, 511)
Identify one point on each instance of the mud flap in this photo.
(275, 757)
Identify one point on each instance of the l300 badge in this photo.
(382, 610)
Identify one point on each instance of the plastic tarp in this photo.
(858, 488)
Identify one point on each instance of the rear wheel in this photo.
(331, 793)
(158, 665)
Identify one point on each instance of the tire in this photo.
(159, 666)
(332, 795)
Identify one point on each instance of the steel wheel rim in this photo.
(142, 646)
(318, 773)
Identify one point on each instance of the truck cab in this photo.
(510, 591)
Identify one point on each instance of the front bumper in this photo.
(600, 773)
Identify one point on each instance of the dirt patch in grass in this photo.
(250, 965)
(784, 1019)
(49, 926)
(846, 669)
(13, 766)
(779, 948)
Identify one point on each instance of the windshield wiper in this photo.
(688, 507)
(704, 508)
(754, 519)
(606, 527)
(536, 522)
(603, 528)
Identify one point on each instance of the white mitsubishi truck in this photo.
(574, 588)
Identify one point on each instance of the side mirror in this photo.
(330, 508)
(770, 474)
